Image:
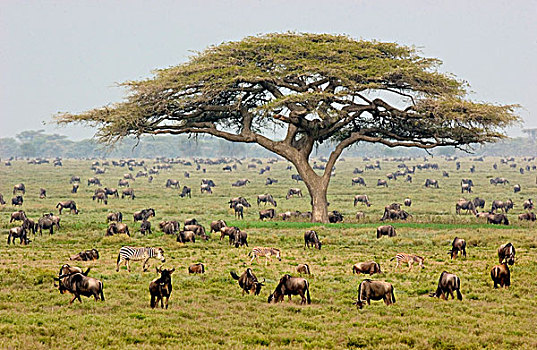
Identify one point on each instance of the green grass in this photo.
(209, 311)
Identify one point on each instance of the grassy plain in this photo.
(209, 311)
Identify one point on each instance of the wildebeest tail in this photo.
(392, 259)
(393, 296)
(87, 271)
(102, 287)
(234, 275)
(308, 299)
(58, 205)
(202, 268)
(307, 268)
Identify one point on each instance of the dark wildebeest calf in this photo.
(161, 287)
(375, 290)
(248, 282)
(291, 286)
(448, 283)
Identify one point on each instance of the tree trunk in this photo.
(317, 188)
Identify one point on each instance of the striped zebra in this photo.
(266, 252)
(136, 254)
(410, 259)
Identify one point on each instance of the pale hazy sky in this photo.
(68, 55)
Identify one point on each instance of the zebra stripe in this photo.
(410, 259)
(266, 252)
(136, 254)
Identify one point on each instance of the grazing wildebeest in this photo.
(375, 290)
(395, 214)
(196, 268)
(111, 192)
(208, 182)
(466, 205)
(117, 228)
(528, 204)
(448, 283)
(230, 231)
(101, 197)
(479, 203)
(239, 210)
(303, 269)
(335, 216)
(506, 253)
(75, 188)
(172, 182)
(467, 182)
(248, 282)
(407, 202)
(187, 191)
(362, 198)
(241, 239)
(291, 286)
(266, 198)
(516, 188)
(2, 201)
(217, 225)
(497, 219)
(408, 178)
(128, 177)
(501, 275)
(42, 193)
(114, 217)
(67, 269)
(240, 182)
(186, 236)
(292, 192)
(18, 232)
(499, 180)
(161, 287)
(270, 181)
(527, 217)
(386, 230)
(29, 225)
(369, 267)
(19, 187)
(445, 174)
(128, 193)
(358, 181)
(311, 237)
(466, 187)
(199, 230)
(17, 216)
(136, 254)
(145, 227)
(123, 183)
(206, 188)
(458, 245)
(47, 223)
(71, 205)
(381, 182)
(144, 214)
(18, 200)
(266, 252)
(227, 168)
(74, 179)
(296, 177)
(267, 214)
(94, 181)
(431, 183)
(410, 259)
(360, 215)
(79, 284)
(191, 221)
(357, 171)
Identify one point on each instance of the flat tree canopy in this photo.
(317, 88)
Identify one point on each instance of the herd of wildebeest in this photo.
(74, 280)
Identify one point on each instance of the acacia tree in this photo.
(316, 88)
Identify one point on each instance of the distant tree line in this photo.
(36, 143)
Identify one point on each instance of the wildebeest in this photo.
(172, 182)
(191, 221)
(386, 230)
(42, 193)
(128, 193)
(362, 198)
(479, 203)
(186, 236)
(468, 182)
(458, 245)
(47, 223)
(248, 282)
(2, 201)
(375, 290)
(291, 286)
(123, 183)
(407, 202)
(117, 228)
(501, 275)
(267, 214)
(360, 215)
(497, 219)
(395, 214)
(145, 227)
(101, 197)
(311, 237)
(239, 210)
(241, 239)
(71, 205)
(143, 214)
(448, 283)
(527, 217)
(303, 269)
(230, 231)
(114, 217)
(266, 198)
(18, 232)
(87, 255)
(335, 216)
(17, 216)
(466, 187)
(74, 179)
(506, 253)
(206, 188)
(381, 182)
(528, 204)
(18, 200)
(499, 180)
(240, 182)
(19, 187)
(296, 177)
(75, 188)
(270, 181)
(217, 225)
(466, 205)
(78, 284)
(161, 287)
(431, 183)
(111, 192)
(187, 191)
(358, 181)
(67, 269)
(408, 178)
(208, 182)
(369, 267)
(169, 227)
(94, 181)
(516, 188)
(199, 230)
(292, 192)
(196, 268)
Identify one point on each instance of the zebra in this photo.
(136, 254)
(408, 258)
(266, 252)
